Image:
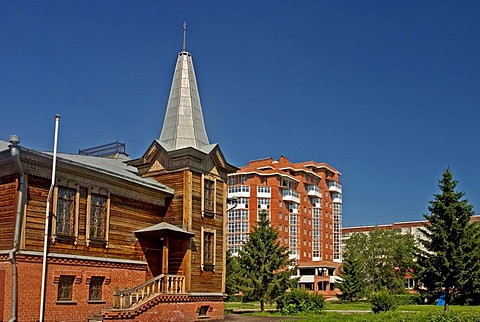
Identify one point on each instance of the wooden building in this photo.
(139, 239)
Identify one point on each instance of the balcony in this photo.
(334, 186)
(293, 209)
(316, 202)
(314, 191)
(238, 191)
(290, 195)
(264, 192)
(336, 197)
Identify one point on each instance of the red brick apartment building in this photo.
(129, 240)
(304, 202)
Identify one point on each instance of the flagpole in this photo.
(47, 220)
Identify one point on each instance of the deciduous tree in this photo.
(381, 258)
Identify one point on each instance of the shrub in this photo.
(383, 301)
(299, 300)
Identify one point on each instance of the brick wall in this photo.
(29, 270)
(180, 312)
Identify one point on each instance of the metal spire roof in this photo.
(183, 125)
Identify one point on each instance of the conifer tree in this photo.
(233, 275)
(450, 262)
(353, 283)
(264, 264)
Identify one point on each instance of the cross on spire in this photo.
(184, 36)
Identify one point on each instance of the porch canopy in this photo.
(163, 229)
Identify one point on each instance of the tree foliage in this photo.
(450, 262)
(353, 283)
(380, 259)
(232, 283)
(263, 263)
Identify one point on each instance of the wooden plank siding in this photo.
(204, 281)
(8, 201)
(191, 191)
(126, 216)
(174, 180)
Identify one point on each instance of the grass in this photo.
(404, 313)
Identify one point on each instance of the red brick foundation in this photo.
(29, 268)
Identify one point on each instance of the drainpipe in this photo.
(14, 152)
(47, 220)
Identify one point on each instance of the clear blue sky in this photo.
(387, 92)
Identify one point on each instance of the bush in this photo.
(383, 301)
(299, 300)
(235, 298)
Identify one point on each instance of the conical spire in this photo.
(183, 125)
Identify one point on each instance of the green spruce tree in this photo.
(353, 283)
(233, 275)
(264, 264)
(449, 263)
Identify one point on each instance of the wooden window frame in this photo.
(208, 266)
(54, 235)
(93, 241)
(209, 213)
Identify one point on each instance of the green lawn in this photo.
(403, 313)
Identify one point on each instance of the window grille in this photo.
(65, 288)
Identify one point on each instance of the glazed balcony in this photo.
(264, 192)
(293, 208)
(334, 186)
(336, 197)
(290, 195)
(316, 202)
(238, 191)
(314, 191)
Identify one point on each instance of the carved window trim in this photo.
(210, 193)
(55, 237)
(95, 191)
(208, 249)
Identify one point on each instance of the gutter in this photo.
(14, 152)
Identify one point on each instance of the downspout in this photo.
(14, 152)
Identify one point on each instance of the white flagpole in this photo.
(47, 219)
